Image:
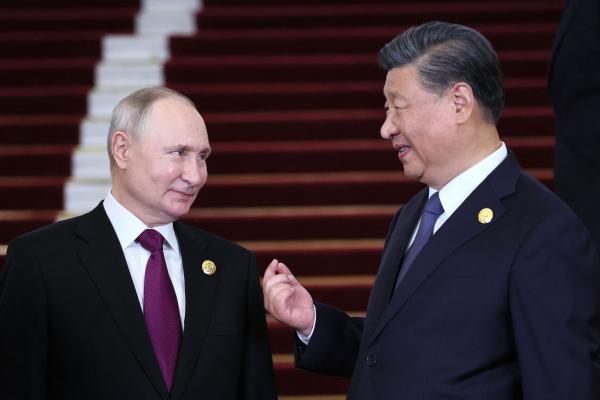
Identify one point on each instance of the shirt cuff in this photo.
(305, 339)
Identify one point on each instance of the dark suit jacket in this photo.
(499, 311)
(71, 326)
(574, 86)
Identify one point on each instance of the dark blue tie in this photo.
(433, 209)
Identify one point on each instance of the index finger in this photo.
(283, 269)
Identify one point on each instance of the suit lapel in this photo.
(104, 260)
(462, 226)
(397, 241)
(200, 293)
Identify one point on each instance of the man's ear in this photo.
(464, 102)
(120, 145)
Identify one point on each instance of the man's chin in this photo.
(412, 174)
(180, 208)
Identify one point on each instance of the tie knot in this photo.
(434, 205)
(151, 240)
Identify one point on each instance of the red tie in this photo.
(161, 311)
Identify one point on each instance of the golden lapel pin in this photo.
(485, 215)
(209, 267)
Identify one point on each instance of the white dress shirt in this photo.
(452, 196)
(128, 227)
(458, 189)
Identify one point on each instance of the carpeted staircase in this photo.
(48, 54)
(291, 94)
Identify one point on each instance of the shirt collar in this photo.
(458, 189)
(128, 227)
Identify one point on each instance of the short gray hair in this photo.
(131, 113)
(445, 54)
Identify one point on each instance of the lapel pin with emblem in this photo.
(209, 267)
(485, 215)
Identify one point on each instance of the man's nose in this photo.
(193, 171)
(388, 129)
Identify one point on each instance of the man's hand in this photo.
(286, 299)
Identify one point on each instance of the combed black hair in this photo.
(445, 54)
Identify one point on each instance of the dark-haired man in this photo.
(126, 302)
(489, 286)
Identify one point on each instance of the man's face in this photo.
(166, 164)
(421, 127)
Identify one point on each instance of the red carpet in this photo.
(48, 53)
(288, 14)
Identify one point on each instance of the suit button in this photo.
(371, 360)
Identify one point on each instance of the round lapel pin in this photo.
(485, 216)
(209, 267)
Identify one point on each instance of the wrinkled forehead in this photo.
(400, 81)
(173, 110)
(174, 118)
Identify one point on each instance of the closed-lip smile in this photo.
(183, 193)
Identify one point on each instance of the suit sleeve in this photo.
(555, 310)
(23, 326)
(257, 381)
(333, 347)
(335, 343)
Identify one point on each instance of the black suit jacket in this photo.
(500, 311)
(574, 87)
(71, 326)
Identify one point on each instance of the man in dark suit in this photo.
(126, 302)
(489, 286)
(574, 83)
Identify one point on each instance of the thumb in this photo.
(271, 270)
